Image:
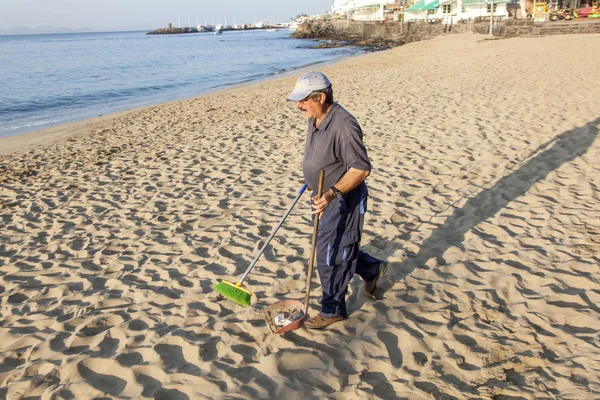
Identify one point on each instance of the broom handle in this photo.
(273, 234)
(313, 247)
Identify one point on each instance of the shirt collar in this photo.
(327, 120)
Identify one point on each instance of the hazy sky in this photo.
(147, 14)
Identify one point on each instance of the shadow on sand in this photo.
(562, 149)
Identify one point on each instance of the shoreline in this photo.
(35, 121)
(482, 202)
(71, 128)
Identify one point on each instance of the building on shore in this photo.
(361, 10)
(445, 11)
(453, 11)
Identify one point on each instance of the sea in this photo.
(51, 79)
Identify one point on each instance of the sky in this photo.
(148, 14)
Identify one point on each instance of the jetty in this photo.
(209, 28)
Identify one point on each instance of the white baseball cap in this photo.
(308, 83)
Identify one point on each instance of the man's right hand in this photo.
(320, 204)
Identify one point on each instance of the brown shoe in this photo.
(320, 322)
(371, 287)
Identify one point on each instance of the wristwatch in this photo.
(336, 192)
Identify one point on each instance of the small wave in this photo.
(30, 125)
(77, 101)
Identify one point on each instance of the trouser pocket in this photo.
(338, 249)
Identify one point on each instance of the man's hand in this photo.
(349, 181)
(320, 204)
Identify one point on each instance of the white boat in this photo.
(218, 32)
(293, 26)
(272, 30)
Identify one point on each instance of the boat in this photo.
(217, 32)
(293, 26)
(272, 30)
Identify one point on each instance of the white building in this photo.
(360, 10)
(341, 7)
(452, 11)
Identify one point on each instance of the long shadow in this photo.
(551, 155)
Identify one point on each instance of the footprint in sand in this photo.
(130, 359)
(108, 376)
(391, 343)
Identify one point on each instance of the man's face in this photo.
(312, 108)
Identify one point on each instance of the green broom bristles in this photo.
(234, 292)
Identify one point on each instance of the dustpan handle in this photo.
(311, 262)
(289, 210)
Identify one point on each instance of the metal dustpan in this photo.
(285, 315)
(289, 315)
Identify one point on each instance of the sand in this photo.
(484, 200)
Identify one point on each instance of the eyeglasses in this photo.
(314, 97)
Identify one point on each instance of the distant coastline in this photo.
(49, 30)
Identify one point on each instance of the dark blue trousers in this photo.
(338, 255)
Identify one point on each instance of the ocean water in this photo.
(47, 80)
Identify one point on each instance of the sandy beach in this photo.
(485, 200)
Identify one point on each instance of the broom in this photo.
(235, 292)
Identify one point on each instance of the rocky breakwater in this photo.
(373, 35)
(172, 31)
(345, 33)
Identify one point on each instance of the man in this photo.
(334, 144)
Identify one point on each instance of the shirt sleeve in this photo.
(352, 149)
